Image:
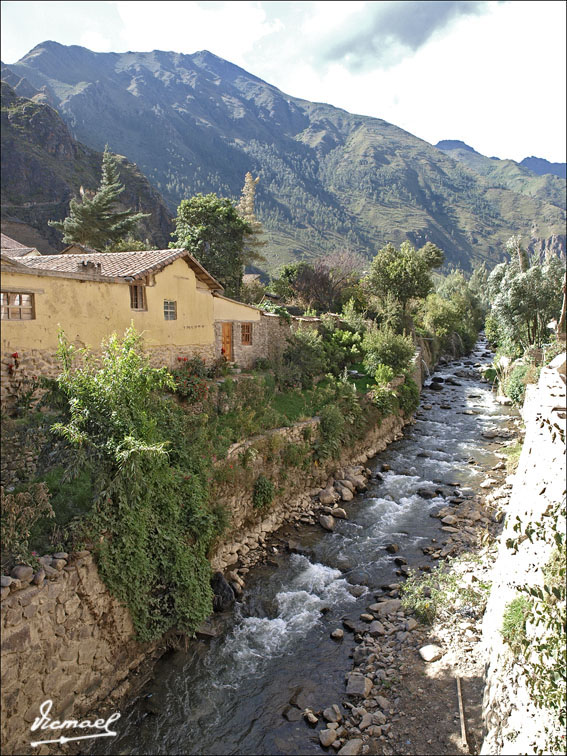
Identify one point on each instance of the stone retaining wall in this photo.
(513, 724)
(66, 639)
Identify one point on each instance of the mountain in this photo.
(43, 167)
(542, 166)
(329, 179)
(507, 174)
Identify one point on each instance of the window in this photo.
(247, 333)
(169, 309)
(17, 306)
(137, 297)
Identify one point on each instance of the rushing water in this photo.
(232, 694)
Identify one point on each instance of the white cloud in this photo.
(226, 29)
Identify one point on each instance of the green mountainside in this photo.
(507, 174)
(43, 167)
(329, 179)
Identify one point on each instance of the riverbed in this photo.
(244, 691)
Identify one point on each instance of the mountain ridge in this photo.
(329, 178)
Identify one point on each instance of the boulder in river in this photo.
(223, 597)
(358, 685)
(327, 522)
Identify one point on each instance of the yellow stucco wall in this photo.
(227, 309)
(89, 311)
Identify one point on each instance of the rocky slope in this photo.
(329, 179)
(43, 167)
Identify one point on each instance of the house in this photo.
(12, 248)
(166, 294)
(78, 249)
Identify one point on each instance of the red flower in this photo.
(185, 359)
(222, 351)
(15, 355)
(179, 359)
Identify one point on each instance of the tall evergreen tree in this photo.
(253, 241)
(94, 220)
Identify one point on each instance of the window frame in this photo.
(134, 295)
(246, 334)
(7, 308)
(167, 311)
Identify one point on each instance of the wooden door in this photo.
(227, 340)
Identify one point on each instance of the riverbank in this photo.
(289, 643)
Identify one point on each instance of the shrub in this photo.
(515, 386)
(513, 629)
(151, 520)
(408, 396)
(384, 346)
(304, 358)
(383, 374)
(190, 383)
(20, 512)
(331, 427)
(263, 493)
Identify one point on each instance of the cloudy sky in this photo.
(489, 73)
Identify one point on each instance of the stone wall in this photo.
(513, 724)
(249, 527)
(66, 639)
(20, 370)
(269, 337)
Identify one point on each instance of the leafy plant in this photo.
(513, 628)
(20, 512)
(385, 347)
(263, 492)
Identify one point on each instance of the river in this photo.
(236, 694)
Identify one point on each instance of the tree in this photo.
(94, 220)
(523, 301)
(210, 228)
(404, 274)
(325, 284)
(253, 241)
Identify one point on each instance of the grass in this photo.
(513, 629)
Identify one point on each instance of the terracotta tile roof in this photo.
(129, 265)
(13, 248)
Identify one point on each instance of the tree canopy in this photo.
(210, 228)
(94, 220)
(404, 273)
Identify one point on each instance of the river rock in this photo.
(426, 492)
(392, 548)
(223, 597)
(333, 714)
(351, 748)
(376, 628)
(345, 493)
(431, 652)
(310, 717)
(386, 607)
(327, 522)
(450, 520)
(358, 685)
(292, 714)
(6, 581)
(327, 496)
(340, 513)
(488, 483)
(337, 634)
(326, 737)
(436, 387)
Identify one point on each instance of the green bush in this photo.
(383, 374)
(263, 492)
(303, 359)
(331, 427)
(151, 522)
(408, 396)
(515, 386)
(384, 346)
(513, 629)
